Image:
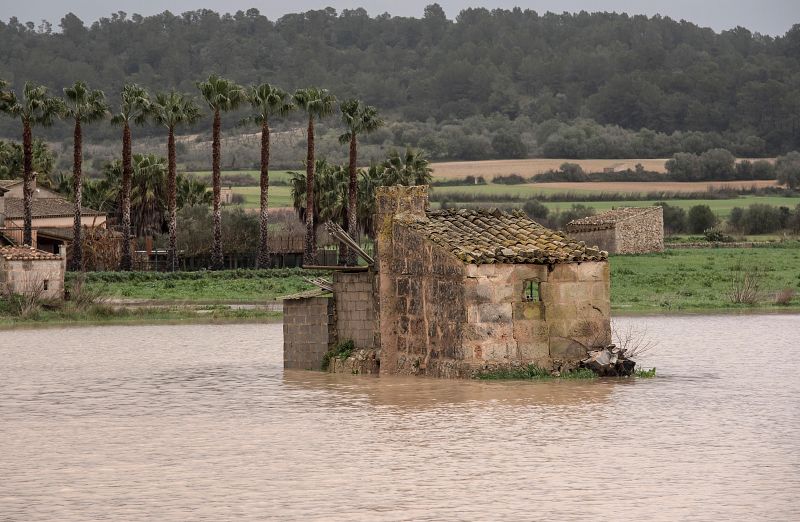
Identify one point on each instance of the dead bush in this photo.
(785, 296)
(633, 341)
(745, 285)
(81, 296)
(28, 303)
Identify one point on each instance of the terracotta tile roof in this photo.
(608, 219)
(46, 207)
(492, 236)
(25, 253)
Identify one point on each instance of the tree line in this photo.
(606, 84)
(81, 105)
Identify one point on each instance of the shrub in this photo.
(674, 218)
(787, 169)
(716, 236)
(745, 285)
(700, 219)
(535, 209)
(761, 219)
(511, 179)
(785, 296)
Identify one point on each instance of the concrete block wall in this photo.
(308, 331)
(356, 308)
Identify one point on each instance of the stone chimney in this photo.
(397, 200)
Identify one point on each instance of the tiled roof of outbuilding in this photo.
(608, 219)
(25, 253)
(492, 236)
(46, 207)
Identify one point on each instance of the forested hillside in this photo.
(579, 85)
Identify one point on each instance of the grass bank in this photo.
(106, 315)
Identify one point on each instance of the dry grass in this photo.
(531, 167)
(785, 296)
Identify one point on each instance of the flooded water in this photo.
(202, 423)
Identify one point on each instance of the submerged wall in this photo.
(356, 308)
(308, 331)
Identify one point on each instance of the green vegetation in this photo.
(532, 372)
(341, 351)
(696, 280)
(224, 285)
(102, 314)
(645, 374)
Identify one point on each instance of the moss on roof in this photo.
(492, 236)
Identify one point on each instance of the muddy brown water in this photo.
(202, 423)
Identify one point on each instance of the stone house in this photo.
(455, 292)
(624, 230)
(26, 270)
(52, 216)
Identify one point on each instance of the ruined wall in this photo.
(43, 276)
(577, 308)
(356, 308)
(422, 308)
(641, 234)
(308, 331)
(604, 239)
(570, 311)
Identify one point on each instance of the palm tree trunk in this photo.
(352, 195)
(172, 192)
(310, 255)
(126, 262)
(216, 247)
(76, 261)
(27, 184)
(263, 232)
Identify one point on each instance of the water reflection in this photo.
(424, 393)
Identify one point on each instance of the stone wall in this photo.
(44, 276)
(604, 239)
(569, 312)
(422, 308)
(356, 308)
(641, 233)
(308, 331)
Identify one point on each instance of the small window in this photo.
(532, 291)
(45, 284)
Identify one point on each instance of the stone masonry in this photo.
(625, 230)
(26, 270)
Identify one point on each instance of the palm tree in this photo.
(412, 168)
(267, 100)
(192, 192)
(35, 108)
(169, 110)
(83, 105)
(330, 193)
(358, 119)
(147, 193)
(134, 108)
(317, 103)
(220, 95)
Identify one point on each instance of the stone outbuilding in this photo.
(456, 292)
(26, 270)
(624, 230)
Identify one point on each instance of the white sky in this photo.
(772, 17)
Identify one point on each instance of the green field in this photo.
(700, 279)
(721, 207)
(279, 196)
(274, 175)
(675, 281)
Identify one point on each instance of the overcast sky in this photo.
(772, 17)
